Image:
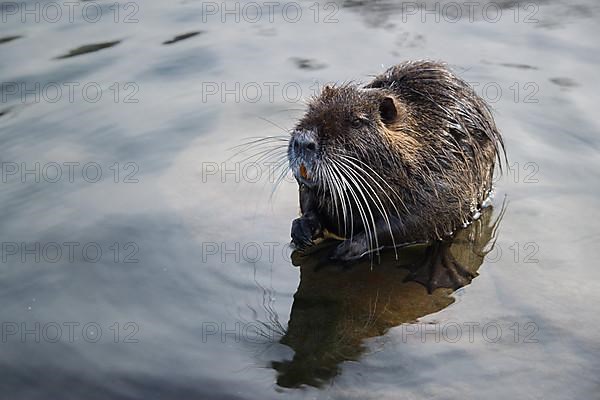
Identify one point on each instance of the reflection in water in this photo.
(308, 64)
(182, 37)
(88, 48)
(335, 311)
(518, 66)
(564, 82)
(7, 39)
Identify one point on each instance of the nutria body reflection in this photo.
(333, 313)
(408, 157)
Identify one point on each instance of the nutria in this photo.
(408, 157)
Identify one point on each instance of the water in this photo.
(173, 304)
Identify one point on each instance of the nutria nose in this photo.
(304, 143)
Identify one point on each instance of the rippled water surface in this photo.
(169, 275)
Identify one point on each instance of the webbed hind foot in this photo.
(439, 269)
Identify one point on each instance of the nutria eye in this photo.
(356, 123)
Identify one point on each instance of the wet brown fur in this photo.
(436, 156)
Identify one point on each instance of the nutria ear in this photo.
(388, 110)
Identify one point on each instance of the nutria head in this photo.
(345, 125)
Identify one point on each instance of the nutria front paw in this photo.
(304, 230)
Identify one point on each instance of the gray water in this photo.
(169, 275)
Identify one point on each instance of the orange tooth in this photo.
(303, 171)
